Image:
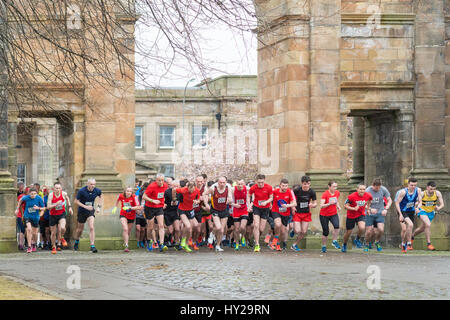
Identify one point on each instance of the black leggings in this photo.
(334, 219)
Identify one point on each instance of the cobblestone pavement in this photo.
(235, 275)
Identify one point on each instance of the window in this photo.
(21, 172)
(199, 136)
(166, 137)
(138, 137)
(168, 170)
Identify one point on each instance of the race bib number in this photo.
(375, 200)
(221, 200)
(240, 201)
(283, 209)
(126, 206)
(31, 210)
(59, 207)
(410, 205)
(260, 202)
(160, 195)
(429, 203)
(88, 204)
(333, 200)
(304, 205)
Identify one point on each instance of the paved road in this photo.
(234, 275)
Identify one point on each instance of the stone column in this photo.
(429, 149)
(45, 152)
(283, 88)
(328, 127)
(7, 191)
(358, 151)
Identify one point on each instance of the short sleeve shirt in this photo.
(303, 198)
(354, 200)
(332, 209)
(378, 198)
(87, 198)
(188, 198)
(155, 192)
(30, 203)
(286, 196)
(261, 195)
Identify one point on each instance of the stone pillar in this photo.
(358, 151)
(328, 127)
(429, 149)
(7, 191)
(283, 88)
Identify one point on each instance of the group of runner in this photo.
(187, 214)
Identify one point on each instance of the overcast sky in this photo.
(224, 52)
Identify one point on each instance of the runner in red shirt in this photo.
(199, 210)
(191, 196)
(221, 196)
(356, 204)
(19, 219)
(283, 201)
(128, 205)
(57, 201)
(262, 196)
(154, 205)
(329, 208)
(241, 199)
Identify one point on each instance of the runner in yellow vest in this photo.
(428, 210)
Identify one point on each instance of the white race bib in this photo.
(260, 202)
(283, 209)
(160, 195)
(31, 210)
(88, 204)
(240, 201)
(304, 204)
(59, 207)
(221, 200)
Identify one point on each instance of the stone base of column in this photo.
(320, 179)
(356, 178)
(106, 180)
(440, 176)
(8, 202)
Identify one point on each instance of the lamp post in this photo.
(182, 117)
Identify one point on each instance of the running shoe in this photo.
(257, 248)
(267, 239)
(366, 248)
(336, 244)
(236, 246)
(357, 243)
(190, 242)
(278, 248)
(33, 248)
(211, 238)
(94, 249)
(409, 247)
(58, 247)
(126, 249)
(370, 245)
(324, 249)
(378, 245)
(243, 243)
(64, 242)
(292, 234)
(29, 250)
(344, 247)
(195, 247)
(75, 245)
(210, 246)
(155, 245)
(218, 249)
(150, 246)
(404, 248)
(163, 248)
(430, 247)
(138, 244)
(54, 250)
(186, 248)
(295, 248)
